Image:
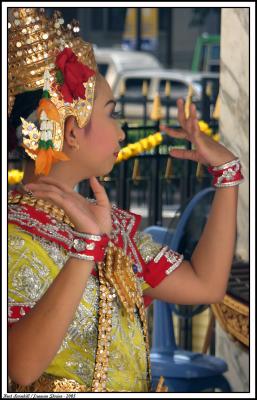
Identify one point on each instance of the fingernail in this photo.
(28, 190)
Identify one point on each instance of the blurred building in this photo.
(178, 29)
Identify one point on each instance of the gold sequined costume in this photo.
(104, 355)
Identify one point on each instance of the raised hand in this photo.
(206, 151)
(88, 217)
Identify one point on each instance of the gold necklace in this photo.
(39, 204)
(116, 275)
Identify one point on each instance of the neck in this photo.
(61, 172)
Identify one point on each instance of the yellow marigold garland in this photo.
(15, 176)
(151, 141)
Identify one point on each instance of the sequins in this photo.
(147, 247)
(22, 217)
(81, 366)
(56, 252)
(25, 280)
(16, 242)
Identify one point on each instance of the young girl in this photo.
(79, 269)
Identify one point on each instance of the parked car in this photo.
(113, 62)
(156, 80)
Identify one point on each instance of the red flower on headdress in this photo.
(74, 73)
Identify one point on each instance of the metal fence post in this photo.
(122, 198)
(155, 214)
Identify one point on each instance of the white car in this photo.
(113, 62)
(156, 80)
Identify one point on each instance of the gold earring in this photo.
(76, 146)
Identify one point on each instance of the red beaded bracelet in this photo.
(89, 247)
(228, 174)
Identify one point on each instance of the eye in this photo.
(116, 114)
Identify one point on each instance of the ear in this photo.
(71, 131)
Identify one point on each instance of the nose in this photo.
(122, 135)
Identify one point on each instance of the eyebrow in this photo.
(110, 102)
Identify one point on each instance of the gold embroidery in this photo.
(147, 247)
(49, 383)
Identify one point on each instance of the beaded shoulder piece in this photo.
(41, 218)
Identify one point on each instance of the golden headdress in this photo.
(44, 54)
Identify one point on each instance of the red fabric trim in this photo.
(147, 300)
(216, 174)
(154, 273)
(44, 219)
(99, 251)
(137, 223)
(120, 214)
(17, 312)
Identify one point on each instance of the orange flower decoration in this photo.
(50, 109)
(46, 158)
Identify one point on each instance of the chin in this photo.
(105, 171)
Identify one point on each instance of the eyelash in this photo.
(116, 114)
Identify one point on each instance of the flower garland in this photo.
(151, 141)
(204, 127)
(134, 149)
(15, 176)
(47, 114)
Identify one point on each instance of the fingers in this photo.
(62, 186)
(189, 122)
(99, 192)
(186, 123)
(176, 133)
(193, 113)
(42, 187)
(47, 184)
(184, 154)
(196, 126)
(51, 196)
(181, 113)
(49, 192)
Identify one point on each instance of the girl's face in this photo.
(99, 140)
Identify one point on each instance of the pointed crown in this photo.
(45, 54)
